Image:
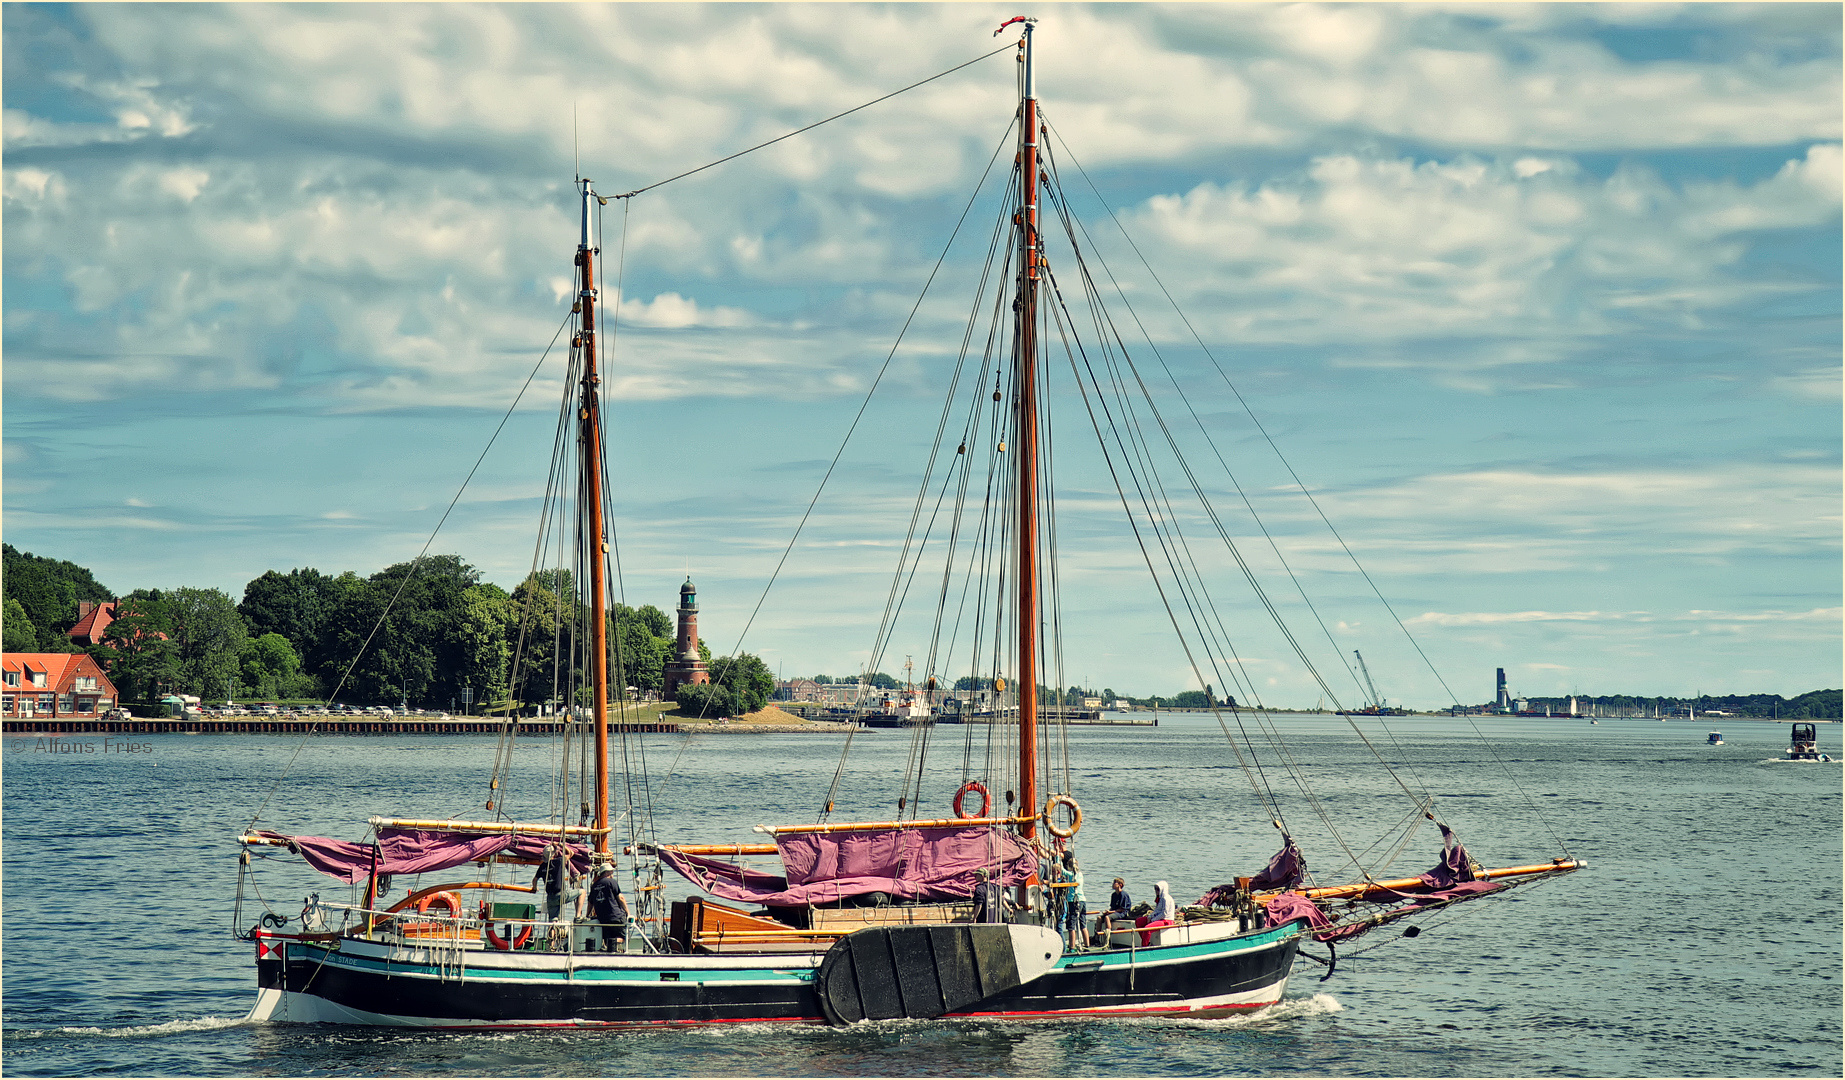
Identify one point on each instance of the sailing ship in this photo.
(920, 916)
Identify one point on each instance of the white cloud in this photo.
(672, 311)
(1378, 248)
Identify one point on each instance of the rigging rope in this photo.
(414, 564)
(815, 124)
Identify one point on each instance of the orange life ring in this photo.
(1050, 817)
(447, 899)
(519, 941)
(986, 799)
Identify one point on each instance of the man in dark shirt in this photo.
(989, 899)
(554, 874)
(609, 908)
(1119, 905)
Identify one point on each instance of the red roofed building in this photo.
(54, 685)
(92, 620)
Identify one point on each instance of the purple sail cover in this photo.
(1283, 871)
(1456, 865)
(417, 851)
(1286, 907)
(910, 864)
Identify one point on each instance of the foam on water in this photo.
(137, 1031)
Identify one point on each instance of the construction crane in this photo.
(1376, 702)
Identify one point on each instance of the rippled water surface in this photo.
(1704, 940)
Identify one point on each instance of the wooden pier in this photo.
(329, 725)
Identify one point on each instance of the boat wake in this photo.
(1284, 1011)
(138, 1031)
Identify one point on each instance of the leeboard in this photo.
(922, 972)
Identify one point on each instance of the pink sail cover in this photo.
(417, 851)
(910, 864)
(1450, 881)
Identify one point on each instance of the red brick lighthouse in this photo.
(685, 666)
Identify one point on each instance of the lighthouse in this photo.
(686, 666)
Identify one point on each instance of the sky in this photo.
(1541, 302)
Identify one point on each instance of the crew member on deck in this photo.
(554, 873)
(609, 908)
(989, 899)
(1075, 903)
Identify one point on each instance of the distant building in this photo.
(798, 690)
(54, 685)
(686, 666)
(92, 620)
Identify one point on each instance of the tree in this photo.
(48, 591)
(707, 700)
(973, 682)
(643, 643)
(746, 678)
(208, 638)
(137, 650)
(17, 630)
(295, 605)
(269, 667)
(540, 624)
(485, 653)
(403, 633)
(655, 621)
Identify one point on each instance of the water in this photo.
(1704, 940)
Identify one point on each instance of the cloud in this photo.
(359, 204)
(1357, 248)
(1494, 618)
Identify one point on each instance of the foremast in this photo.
(1027, 412)
(589, 417)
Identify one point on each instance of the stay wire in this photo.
(1491, 747)
(815, 124)
(414, 564)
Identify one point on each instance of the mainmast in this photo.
(589, 414)
(1027, 364)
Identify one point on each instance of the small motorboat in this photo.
(1804, 745)
(1716, 738)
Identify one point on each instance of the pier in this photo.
(256, 725)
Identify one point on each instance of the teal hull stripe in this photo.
(1161, 953)
(648, 976)
(651, 976)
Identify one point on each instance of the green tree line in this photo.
(396, 636)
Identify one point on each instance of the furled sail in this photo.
(416, 851)
(927, 864)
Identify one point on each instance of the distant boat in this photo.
(1716, 738)
(1804, 744)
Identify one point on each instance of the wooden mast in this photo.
(590, 415)
(1027, 475)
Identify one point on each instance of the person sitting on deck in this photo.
(610, 909)
(1161, 915)
(989, 899)
(1120, 906)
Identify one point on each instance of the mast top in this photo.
(1031, 81)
